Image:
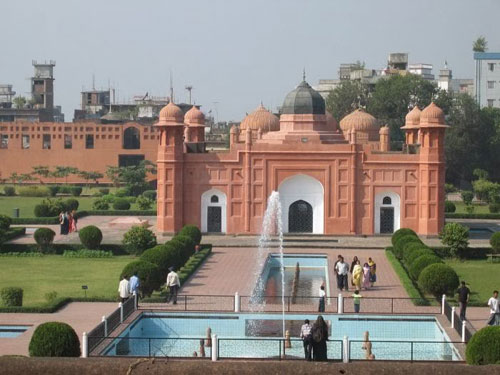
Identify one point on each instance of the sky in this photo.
(234, 53)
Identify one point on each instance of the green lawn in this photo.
(481, 276)
(38, 276)
(478, 208)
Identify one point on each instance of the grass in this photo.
(481, 276)
(478, 208)
(38, 276)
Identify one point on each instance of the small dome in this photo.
(331, 123)
(171, 113)
(359, 120)
(432, 114)
(194, 116)
(303, 100)
(261, 118)
(412, 119)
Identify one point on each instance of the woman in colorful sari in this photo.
(357, 272)
(366, 276)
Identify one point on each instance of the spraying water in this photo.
(271, 225)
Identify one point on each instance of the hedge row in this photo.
(456, 215)
(193, 263)
(14, 232)
(58, 248)
(52, 307)
(470, 253)
(80, 214)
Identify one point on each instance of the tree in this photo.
(347, 97)
(41, 171)
(93, 175)
(14, 178)
(456, 236)
(19, 102)
(480, 44)
(25, 177)
(113, 173)
(63, 171)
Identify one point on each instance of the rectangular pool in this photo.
(12, 331)
(179, 334)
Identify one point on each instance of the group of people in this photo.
(128, 288)
(493, 303)
(361, 276)
(68, 221)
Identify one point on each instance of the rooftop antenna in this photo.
(189, 88)
(171, 87)
(304, 74)
(93, 82)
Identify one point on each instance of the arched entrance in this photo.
(387, 212)
(213, 211)
(302, 202)
(300, 217)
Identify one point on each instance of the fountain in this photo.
(271, 225)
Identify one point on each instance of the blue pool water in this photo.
(12, 331)
(179, 334)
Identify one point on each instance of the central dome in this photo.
(304, 100)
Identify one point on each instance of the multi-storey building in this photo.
(487, 79)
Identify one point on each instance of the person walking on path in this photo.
(123, 289)
(463, 299)
(319, 338)
(336, 273)
(74, 227)
(322, 297)
(366, 276)
(356, 297)
(494, 310)
(357, 273)
(342, 269)
(173, 283)
(351, 270)
(373, 271)
(134, 285)
(305, 335)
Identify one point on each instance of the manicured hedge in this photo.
(54, 339)
(401, 242)
(138, 239)
(14, 232)
(53, 306)
(449, 206)
(495, 242)
(400, 233)
(484, 347)
(59, 248)
(91, 237)
(456, 215)
(44, 238)
(12, 296)
(5, 222)
(421, 263)
(148, 273)
(193, 232)
(162, 256)
(192, 264)
(438, 279)
(80, 214)
(121, 204)
(418, 253)
(470, 253)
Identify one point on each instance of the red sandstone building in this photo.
(332, 179)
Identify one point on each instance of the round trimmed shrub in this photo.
(100, 204)
(484, 347)
(122, 192)
(467, 197)
(161, 255)
(410, 247)
(138, 239)
(72, 204)
(438, 279)
(76, 191)
(192, 232)
(494, 208)
(400, 233)
(417, 253)
(150, 194)
(108, 198)
(144, 203)
(44, 238)
(53, 190)
(42, 210)
(104, 191)
(54, 339)
(403, 241)
(9, 191)
(421, 263)
(495, 242)
(449, 206)
(176, 249)
(121, 204)
(12, 296)
(91, 237)
(148, 273)
(188, 246)
(5, 222)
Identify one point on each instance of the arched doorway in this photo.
(213, 211)
(302, 192)
(387, 212)
(300, 217)
(131, 139)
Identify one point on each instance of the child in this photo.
(357, 301)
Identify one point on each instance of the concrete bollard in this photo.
(340, 304)
(443, 301)
(85, 345)
(345, 355)
(237, 302)
(453, 317)
(215, 346)
(120, 305)
(105, 326)
(464, 323)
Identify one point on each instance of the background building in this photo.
(487, 79)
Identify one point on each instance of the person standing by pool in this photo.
(173, 283)
(319, 339)
(494, 310)
(134, 285)
(322, 296)
(357, 273)
(373, 271)
(463, 299)
(123, 289)
(305, 335)
(336, 273)
(366, 276)
(342, 269)
(356, 297)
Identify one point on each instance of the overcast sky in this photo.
(236, 53)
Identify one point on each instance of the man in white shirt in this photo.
(173, 283)
(123, 289)
(494, 309)
(305, 335)
(342, 269)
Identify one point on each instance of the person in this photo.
(63, 220)
(336, 273)
(342, 269)
(133, 286)
(463, 299)
(373, 271)
(353, 263)
(75, 221)
(367, 347)
(123, 289)
(493, 304)
(356, 297)
(366, 276)
(305, 335)
(357, 272)
(71, 222)
(319, 333)
(322, 294)
(173, 283)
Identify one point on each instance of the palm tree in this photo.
(480, 44)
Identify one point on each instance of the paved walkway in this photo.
(82, 316)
